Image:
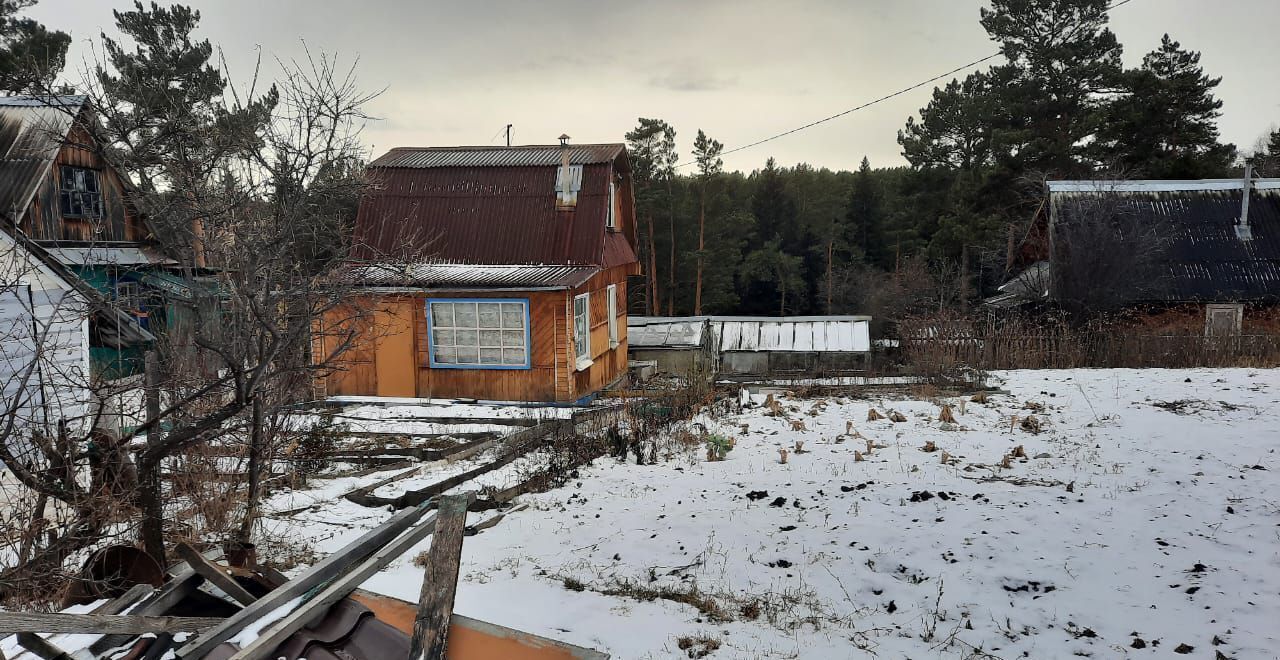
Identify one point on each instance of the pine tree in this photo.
(956, 129)
(706, 155)
(865, 217)
(1165, 126)
(652, 147)
(1266, 161)
(1061, 59)
(30, 55)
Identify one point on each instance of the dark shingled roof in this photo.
(1206, 261)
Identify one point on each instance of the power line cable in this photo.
(875, 101)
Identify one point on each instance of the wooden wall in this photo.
(119, 222)
(552, 375)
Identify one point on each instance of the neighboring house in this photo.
(495, 273)
(1217, 270)
(68, 210)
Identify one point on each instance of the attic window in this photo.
(567, 187)
(80, 195)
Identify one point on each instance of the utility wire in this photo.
(875, 101)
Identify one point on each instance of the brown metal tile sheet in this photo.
(482, 215)
(348, 631)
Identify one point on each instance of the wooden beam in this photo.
(440, 582)
(135, 593)
(275, 634)
(330, 567)
(101, 624)
(214, 573)
(41, 647)
(173, 592)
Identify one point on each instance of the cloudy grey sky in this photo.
(457, 72)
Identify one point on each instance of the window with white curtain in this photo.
(479, 334)
(582, 329)
(613, 314)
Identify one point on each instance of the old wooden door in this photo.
(394, 363)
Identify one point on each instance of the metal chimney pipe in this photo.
(1243, 231)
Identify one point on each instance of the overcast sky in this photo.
(457, 72)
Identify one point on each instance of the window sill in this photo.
(582, 364)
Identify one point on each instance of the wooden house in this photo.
(492, 273)
(1214, 271)
(71, 234)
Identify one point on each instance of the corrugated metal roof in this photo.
(793, 334)
(540, 155)
(1160, 185)
(1205, 260)
(666, 332)
(443, 276)
(32, 130)
(127, 255)
(481, 215)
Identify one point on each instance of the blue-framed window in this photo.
(478, 333)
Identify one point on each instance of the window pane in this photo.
(444, 337)
(490, 315)
(491, 356)
(513, 338)
(466, 338)
(442, 314)
(445, 355)
(91, 181)
(513, 316)
(490, 338)
(464, 315)
(468, 355)
(513, 356)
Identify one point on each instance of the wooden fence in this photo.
(993, 348)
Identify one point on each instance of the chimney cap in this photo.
(564, 139)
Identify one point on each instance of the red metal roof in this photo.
(426, 207)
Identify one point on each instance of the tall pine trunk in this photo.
(702, 225)
(830, 243)
(654, 304)
(671, 275)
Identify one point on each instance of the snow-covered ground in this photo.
(1144, 522)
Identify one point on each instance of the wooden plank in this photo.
(214, 573)
(135, 593)
(440, 582)
(173, 592)
(278, 632)
(330, 567)
(101, 624)
(41, 647)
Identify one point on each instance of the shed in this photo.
(493, 273)
(760, 346)
(683, 346)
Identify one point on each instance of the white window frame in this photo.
(506, 335)
(612, 298)
(582, 332)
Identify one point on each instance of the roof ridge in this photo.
(490, 147)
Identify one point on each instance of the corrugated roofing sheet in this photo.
(129, 255)
(660, 332)
(482, 215)
(442, 276)
(793, 334)
(1205, 260)
(32, 130)
(541, 155)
